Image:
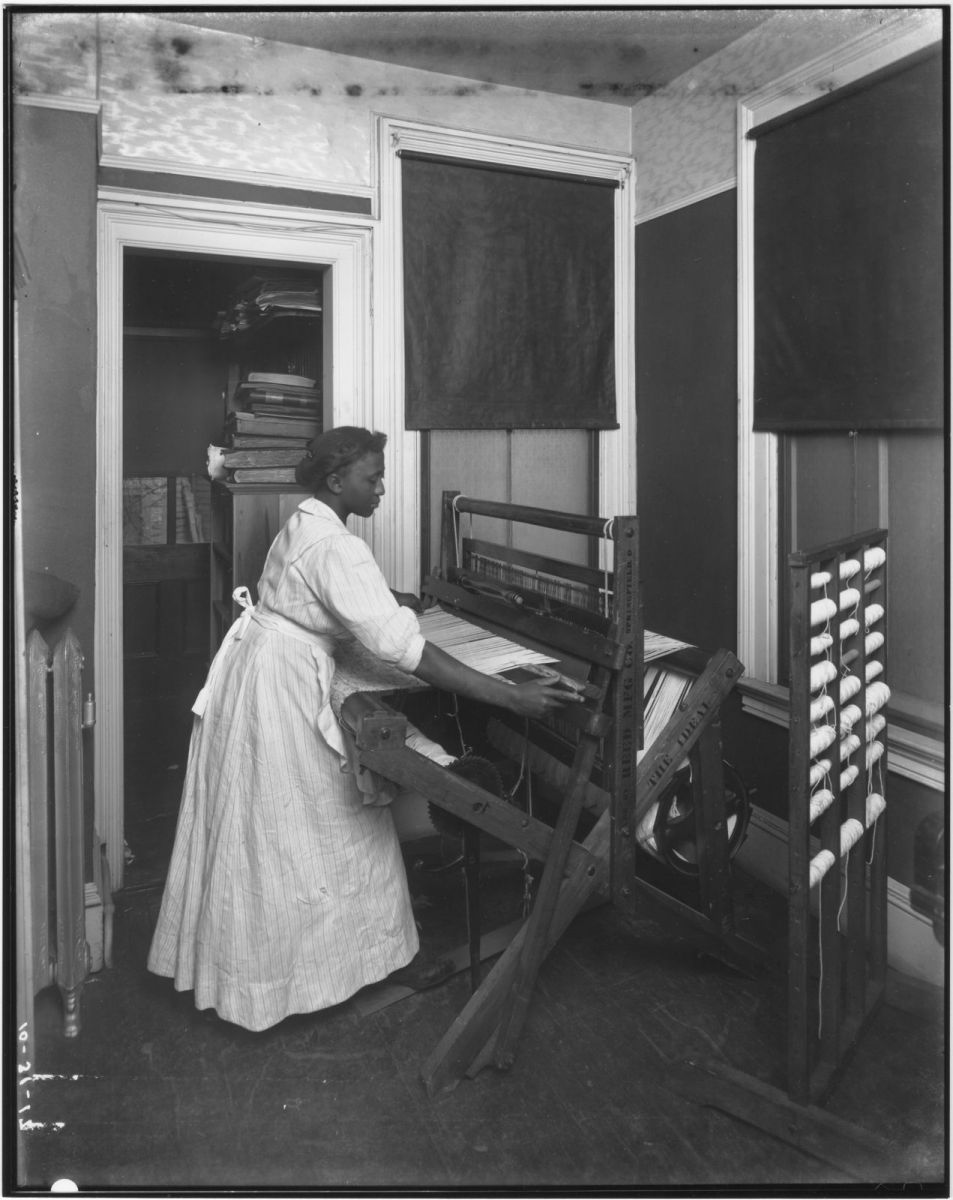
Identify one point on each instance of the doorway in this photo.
(181, 374)
(191, 251)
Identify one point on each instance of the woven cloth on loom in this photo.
(357, 670)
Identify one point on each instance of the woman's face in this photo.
(362, 484)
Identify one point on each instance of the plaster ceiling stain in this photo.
(166, 60)
(618, 55)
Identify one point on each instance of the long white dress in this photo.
(286, 891)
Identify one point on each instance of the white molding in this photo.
(219, 211)
(397, 134)
(758, 581)
(617, 490)
(889, 42)
(662, 210)
(171, 166)
(757, 457)
(396, 539)
(201, 228)
(915, 756)
(72, 103)
(912, 948)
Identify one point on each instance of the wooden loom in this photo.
(589, 620)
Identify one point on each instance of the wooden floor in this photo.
(154, 1095)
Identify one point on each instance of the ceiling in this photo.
(616, 55)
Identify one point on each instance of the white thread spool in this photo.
(848, 569)
(875, 752)
(822, 674)
(821, 707)
(849, 598)
(849, 745)
(848, 775)
(875, 557)
(819, 770)
(822, 610)
(821, 643)
(850, 834)
(872, 614)
(821, 802)
(874, 669)
(875, 726)
(875, 806)
(821, 579)
(821, 863)
(848, 628)
(821, 738)
(873, 641)
(849, 717)
(877, 696)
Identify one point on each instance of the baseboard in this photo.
(912, 947)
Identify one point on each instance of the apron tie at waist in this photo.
(236, 631)
(273, 620)
(324, 644)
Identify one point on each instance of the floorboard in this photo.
(154, 1095)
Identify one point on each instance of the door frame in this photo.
(131, 221)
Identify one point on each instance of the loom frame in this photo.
(605, 775)
(853, 976)
(608, 646)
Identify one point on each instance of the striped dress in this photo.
(286, 891)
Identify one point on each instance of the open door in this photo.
(167, 573)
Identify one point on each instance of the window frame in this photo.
(395, 535)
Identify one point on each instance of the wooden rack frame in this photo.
(847, 944)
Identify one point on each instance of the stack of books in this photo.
(261, 297)
(267, 433)
(271, 395)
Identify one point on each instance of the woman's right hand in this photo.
(540, 697)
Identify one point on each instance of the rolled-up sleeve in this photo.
(351, 585)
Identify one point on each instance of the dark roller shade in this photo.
(508, 298)
(849, 258)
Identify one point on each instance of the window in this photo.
(891, 479)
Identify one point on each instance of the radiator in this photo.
(55, 734)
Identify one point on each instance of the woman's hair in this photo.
(333, 451)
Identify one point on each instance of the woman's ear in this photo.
(333, 483)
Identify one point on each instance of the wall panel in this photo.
(686, 417)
